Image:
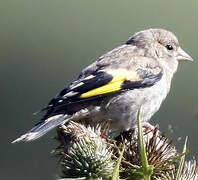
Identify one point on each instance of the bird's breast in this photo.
(122, 109)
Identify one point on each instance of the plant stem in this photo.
(146, 170)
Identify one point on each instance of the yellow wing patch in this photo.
(115, 85)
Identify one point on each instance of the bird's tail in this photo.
(43, 127)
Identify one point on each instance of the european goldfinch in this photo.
(115, 86)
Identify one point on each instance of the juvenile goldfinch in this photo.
(114, 87)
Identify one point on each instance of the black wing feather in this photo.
(99, 79)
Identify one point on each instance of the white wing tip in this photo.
(26, 137)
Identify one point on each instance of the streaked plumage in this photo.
(114, 87)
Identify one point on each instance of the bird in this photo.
(116, 85)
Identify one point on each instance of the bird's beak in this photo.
(183, 56)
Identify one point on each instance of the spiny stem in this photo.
(115, 175)
(181, 164)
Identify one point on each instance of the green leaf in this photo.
(115, 175)
(141, 147)
(146, 169)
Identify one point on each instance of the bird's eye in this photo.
(169, 47)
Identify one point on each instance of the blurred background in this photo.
(45, 44)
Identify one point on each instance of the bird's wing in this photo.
(104, 82)
(93, 83)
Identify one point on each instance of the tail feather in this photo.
(43, 127)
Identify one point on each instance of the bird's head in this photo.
(162, 45)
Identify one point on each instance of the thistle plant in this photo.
(143, 153)
(84, 153)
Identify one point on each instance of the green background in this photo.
(44, 45)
